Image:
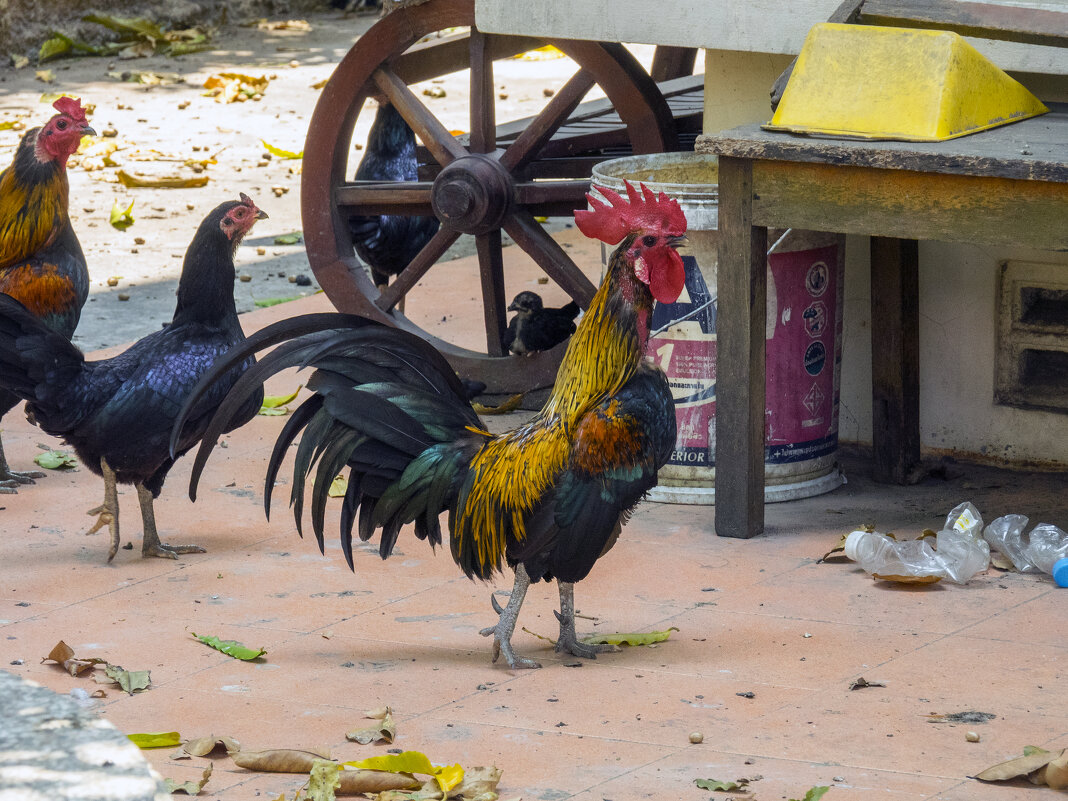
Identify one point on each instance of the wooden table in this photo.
(1006, 186)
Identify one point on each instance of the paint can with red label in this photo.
(803, 350)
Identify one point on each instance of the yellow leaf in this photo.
(121, 218)
(274, 401)
(7, 125)
(163, 739)
(131, 181)
(643, 638)
(338, 487)
(546, 53)
(190, 787)
(413, 762)
(282, 154)
(46, 76)
(508, 405)
(323, 780)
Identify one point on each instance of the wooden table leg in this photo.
(895, 357)
(742, 289)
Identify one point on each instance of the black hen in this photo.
(389, 242)
(117, 413)
(535, 328)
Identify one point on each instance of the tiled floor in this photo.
(758, 616)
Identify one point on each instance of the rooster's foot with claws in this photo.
(11, 480)
(568, 641)
(167, 551)
(502, 632)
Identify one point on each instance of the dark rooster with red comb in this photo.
(41, 261)
(547, 498)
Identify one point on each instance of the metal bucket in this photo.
(804, 340)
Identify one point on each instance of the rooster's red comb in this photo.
(645, 211)
(71, 106)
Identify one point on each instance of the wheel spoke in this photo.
(416, 269)
(541, 129)
(483, 119)
(532, 238)
(374, 198)
(552, 198)
(491, 268)
(436, 137)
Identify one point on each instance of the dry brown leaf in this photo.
(1057, 772)
(190, 787)
(863, 682)
(508, 405)
(907, 579)
(353, 782)
(202, 746)
(378, 713)
(166, 182)
(63, 654)
(479, 781)
(385, 731)
(1032, 764)
(278, 760)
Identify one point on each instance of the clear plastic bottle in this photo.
(959, 551)
(1040, 550)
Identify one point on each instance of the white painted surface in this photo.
(762, 26)
(958, 302)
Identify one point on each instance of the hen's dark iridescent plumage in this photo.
(387, 243)
(41, 260)
(547, 498)
(118, 413)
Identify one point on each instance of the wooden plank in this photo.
(1032, 149)
(672, 62)
(895, 357)
(911, 205)
(740, 368)
(437, 57)
(1036, 26)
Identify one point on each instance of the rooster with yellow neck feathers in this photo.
(41, 261)
(547, 498)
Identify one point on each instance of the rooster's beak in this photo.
(88, 131)
(261, 214)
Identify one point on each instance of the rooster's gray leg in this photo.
(568, 641)
(10, 479)
(502, 632)
(107, 512)
(151, 546)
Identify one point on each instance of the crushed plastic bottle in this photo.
(1041, 550)
(959, 553)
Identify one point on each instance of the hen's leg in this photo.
(150, 545)
(10, 479)
(502, 632)
(568, 641)
(107, 512)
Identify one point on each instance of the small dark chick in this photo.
(118, 413)
(387, 243)
(535, 328)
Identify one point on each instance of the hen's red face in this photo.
(61, 136)
(658, 264)
(239, 220)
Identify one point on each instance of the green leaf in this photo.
(814, 794)
(288, 239)
(162, 739)
(275, 404)
(121, 218)
(58, 45)
(338, 487)
(717, 784)
(282, 154)
(130, 27)
(643, 638)
(267, 302)
(231, 647)
(56, 460)
(131, 681)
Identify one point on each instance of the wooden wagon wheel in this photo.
(480, 187)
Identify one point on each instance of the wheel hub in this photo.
(472, 194)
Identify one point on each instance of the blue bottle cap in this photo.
(1060, 572)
